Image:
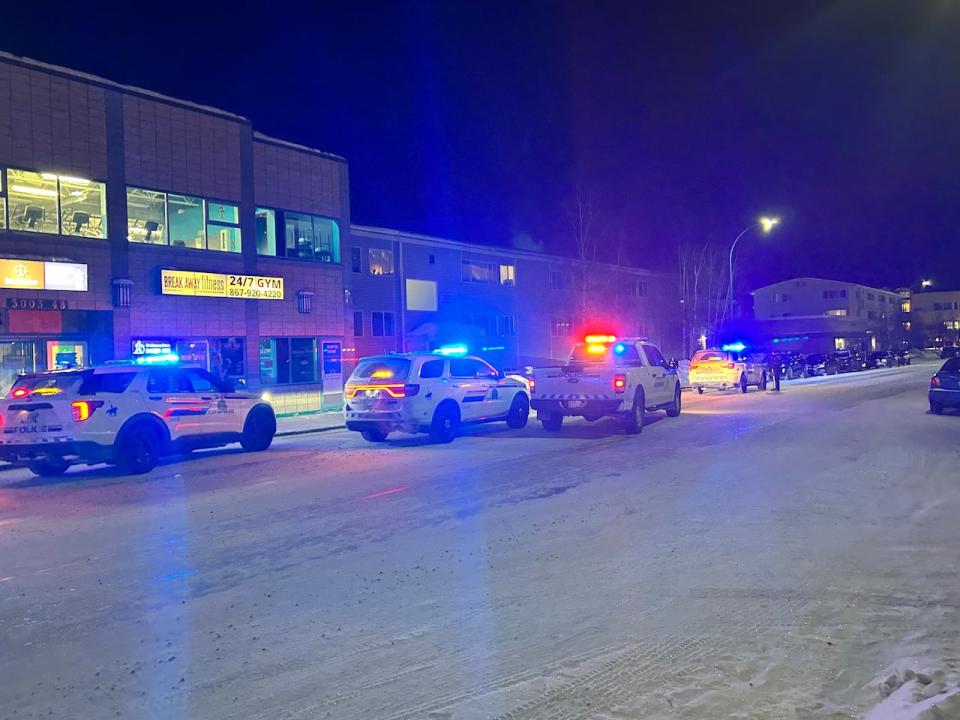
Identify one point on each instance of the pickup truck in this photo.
(606, 376)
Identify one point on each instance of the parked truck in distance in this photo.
(606, 376)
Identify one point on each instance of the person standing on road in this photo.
(776, 373)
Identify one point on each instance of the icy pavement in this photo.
(762, 556)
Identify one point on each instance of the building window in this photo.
(479, 272)
(310, 237)
(782, 297)
(356, 260)
(557, 280)
(186, 221)
(358, 323)
(561, 327)
(952, 325)
(839, 312)
(266, 231)
(938, 306)
(840, 343)
(871, 296)
(288, 361)
(382, 323)
(906, 325)
(223, 227)
(146, 216)
(380, 261)
(227, 357)
(508, 275)
(432, 260)
(871, 315)
(49, 203)
(905, 306)
(507, 326)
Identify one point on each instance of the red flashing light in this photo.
(20, 393)
(935, 381)
(619, 383)
(594, 339)
(84, 409)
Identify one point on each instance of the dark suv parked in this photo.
(821, 364)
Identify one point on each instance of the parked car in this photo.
(949, 351)
(792, 365)
(849, 361)
(903, 357)
(822, 364)
(882, 359)
(945, 387)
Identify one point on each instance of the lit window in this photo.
(266, 231)
(187, 228)
(33, 201)
(223, 227)
(49, 203)
(952, 325)
(840, 312)
(508, 275)
(905, 306)
(380, 261)
(479, 272)
(146, 216)
(906, 325)
(310, 237)
(840, 343)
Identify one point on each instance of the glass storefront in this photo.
(27, 356)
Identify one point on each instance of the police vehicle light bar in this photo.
(593, 339)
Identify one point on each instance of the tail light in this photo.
(20, 393)
(533, 384)
(730, 366)
(411, 390)
(694, 366)
(619, 383)
(83, 409)
(935, 381)
(394, 390)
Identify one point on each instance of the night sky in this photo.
(681, 120)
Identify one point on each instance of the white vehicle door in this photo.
(473, 383)
(229, 409)
(171, 395)
(661, 376)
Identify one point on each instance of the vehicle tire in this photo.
(49, 468)
(138, 449)
(258, 430)
(551, 421)
(374, 436)
(519, 412)
(633, 424)
(700, 391)
(445, 423)
(743, 384)
(936, 408)
(673, 409)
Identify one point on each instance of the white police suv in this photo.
(128, 415)
(430, 393)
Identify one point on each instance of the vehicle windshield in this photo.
(382, 369)
(710, 356)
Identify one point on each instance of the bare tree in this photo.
(703, 282)
(587, 242)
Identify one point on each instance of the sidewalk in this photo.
(315, 422)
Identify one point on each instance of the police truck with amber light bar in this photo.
(433, 393)
(606, 376)
(128, 414)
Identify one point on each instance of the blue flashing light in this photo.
(158, 359)
(452, 350)
(619, 349)
(493, 348)
(734, 347)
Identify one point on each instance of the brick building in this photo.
(132, 223)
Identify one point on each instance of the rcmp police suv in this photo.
(607, 376)
(432, 393)
(730, 367)
(128, 415)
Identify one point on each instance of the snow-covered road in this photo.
(761, 556)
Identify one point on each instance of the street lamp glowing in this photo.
(926, 283)
(769, 223)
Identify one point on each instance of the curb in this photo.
(290, 433)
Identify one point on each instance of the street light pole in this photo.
(766, 224)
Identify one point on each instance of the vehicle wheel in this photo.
(49, 468)
(700, 391)
(763, 382)
(673, 409)
(551, 421)
(258, 430)
(743, 384)
(139, 450)
(637, 415)
(936, 408)
(446, 422)
(519, 412)
(374, 435)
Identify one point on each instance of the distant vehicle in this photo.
(730, 367)
(792, 365)
(433, 393)
(949, 351)
(945, 387)
(822, 364)
(882, 359)
(903, 357)
(607, 376)
(127, 415)
(849, 360)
